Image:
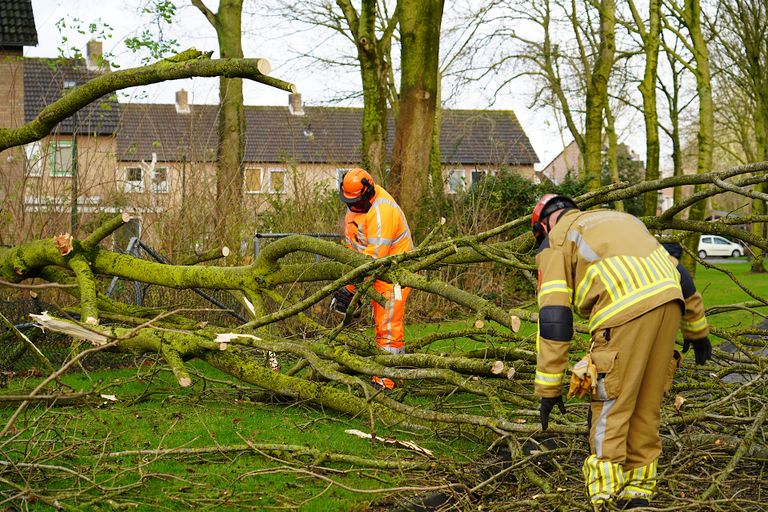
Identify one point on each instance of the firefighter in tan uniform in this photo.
(375, 225)
(607, 267)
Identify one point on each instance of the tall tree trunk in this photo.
(758, 205)
(420, 22)
(227, 22)
(597, 88)
(613, 159)
(647, 87)
(705, 136)
(673, 132)
(435, 165)
(755, 39)
(375, 66)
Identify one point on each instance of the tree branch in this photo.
(79, 97)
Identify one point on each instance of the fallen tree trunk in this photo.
(331, 366)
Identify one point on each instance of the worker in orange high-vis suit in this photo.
(607, 267)
(376, 226)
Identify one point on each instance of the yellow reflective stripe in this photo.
(633, 268)
(631, 490)
(640, 481)
(627, 280)
(639, 295)
(556, 286)
(584, 286)
(696, 325)
(608, 282)
(662, 254)
(655, 266)
(603, 478)
(620, 267)
(643, 270)
(548, 379)
(624, 282)
(650, 268)
(665, 265)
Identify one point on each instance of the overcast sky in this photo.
(262, 39)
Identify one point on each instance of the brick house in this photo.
(159, 159)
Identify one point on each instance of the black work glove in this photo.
(702, 349)
(547, 404)
(340, 301)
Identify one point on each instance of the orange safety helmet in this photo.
(356, 185)
(548, 204)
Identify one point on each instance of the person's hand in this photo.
(702, 349)
(340, 301)
(547, 404)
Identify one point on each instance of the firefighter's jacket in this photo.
(607, 267)
(381, 231)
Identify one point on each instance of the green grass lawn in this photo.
(153, 413)
(717, 288)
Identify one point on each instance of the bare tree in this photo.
(227, 21)
(650, 36)
(420, 23)
(742, 63)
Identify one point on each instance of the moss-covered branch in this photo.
(191, 65)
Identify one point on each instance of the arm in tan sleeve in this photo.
(555, 322)
(694, 324)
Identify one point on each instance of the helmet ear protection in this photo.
(368, 190)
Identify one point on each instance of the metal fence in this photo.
(217, 307)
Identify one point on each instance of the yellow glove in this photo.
(583, 378)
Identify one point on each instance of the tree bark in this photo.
(651, 41)
(374, 56)
(184, 65)
(227, 22)
(597, 88)
(420, 39)
(705, 135)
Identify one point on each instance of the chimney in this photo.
(182, 102)
(95, 55)
(295, 106)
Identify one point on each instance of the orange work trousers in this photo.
(390, 332)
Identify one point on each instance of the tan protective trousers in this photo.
(633, 362)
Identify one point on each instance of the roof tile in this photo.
(44, 81)
(322, 135)
(17, 23)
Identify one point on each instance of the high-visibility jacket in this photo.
(381, 231)
(607, 267)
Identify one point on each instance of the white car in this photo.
(713, 245)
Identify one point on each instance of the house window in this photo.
(60, 158)
(456, 182)
(277, 183)
(340, 175)
(477, 176)
(134, 179)
(253, 179)
(35, 161)
(160, 180)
